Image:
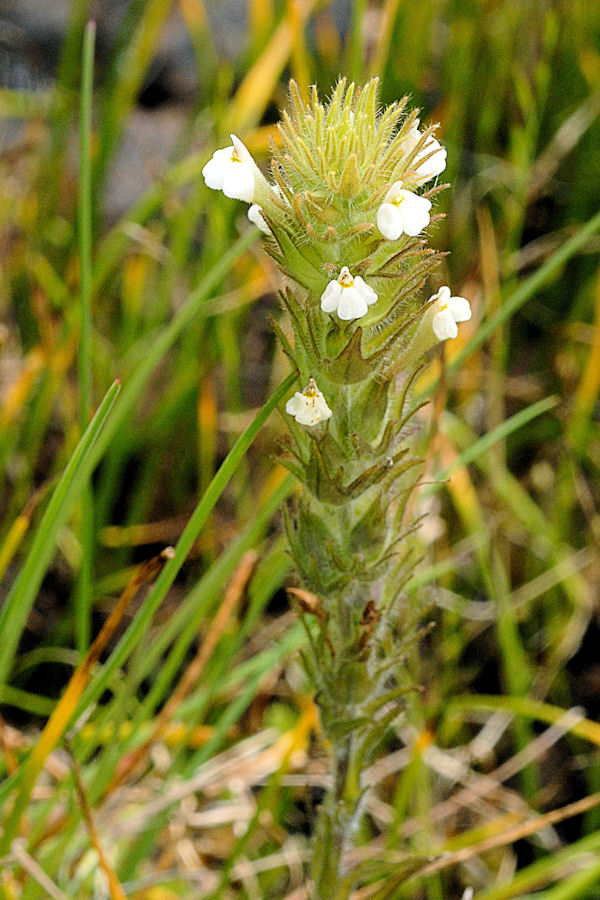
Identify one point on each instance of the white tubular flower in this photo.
(447, 311)
(231, 170)
(308, 407)
(437, 154)
(348, 296)
(402, 212)
(256, 217)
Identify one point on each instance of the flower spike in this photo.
(334, 177)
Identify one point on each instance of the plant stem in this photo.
(337, 821)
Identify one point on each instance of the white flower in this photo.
(402, 212)
(348, 296)
(447, 311)
(437, 154)
(231, 170)
(255, 215)
(308, 407)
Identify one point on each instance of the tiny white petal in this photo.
(389, 221)
(351, 305)
(367, 293)
(435, 164)
(242, 151)
(413, 137)
(394, 190)
(323, 409)
(238, 183)
(295, 404)
(231, 173)
(415, 213)
(256, 217)
(444, 326)
(214, 169)
(330, 296)
(460, 309)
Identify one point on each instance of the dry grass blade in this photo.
(28, 863)
(528, 706)
(502, 839)
(15, 397)
(256, 90)
(60, 718)
(19, 528)
(563, 142)
(589, 385)
(250, 760)
(489, 784)
(384, 36)
(114, 886)
(510, 836)
(193, 672)
(8, 749)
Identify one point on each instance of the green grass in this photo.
(216, 795)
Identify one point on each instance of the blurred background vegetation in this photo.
(185, 759)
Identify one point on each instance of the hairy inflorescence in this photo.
(345, 213)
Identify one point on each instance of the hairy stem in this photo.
(337, 821)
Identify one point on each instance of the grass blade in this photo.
(83, 591)
(63, 712)
(483, 444)
(23, 593)
(527, 289)
(185, 543)
(165, 339)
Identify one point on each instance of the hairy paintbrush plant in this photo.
(345, 218)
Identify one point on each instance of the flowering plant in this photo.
(345, 216)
